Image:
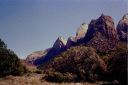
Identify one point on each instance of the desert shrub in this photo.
(60, 77)
(102, 54)
(38, 71)
(54, 77)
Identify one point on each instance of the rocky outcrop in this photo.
(122, 28)
(58, 47)
(101, 34)
(33, 56)
(71, 42)
(81, 31)
(60, 43)
(78, 38)
(36, 55)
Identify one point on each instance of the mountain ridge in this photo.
(100, 34)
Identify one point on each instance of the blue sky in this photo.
(32, 25)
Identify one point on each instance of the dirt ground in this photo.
(33, 79)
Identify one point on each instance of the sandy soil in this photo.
(32, 79)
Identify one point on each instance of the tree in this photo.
(9, 62)
(2, 44)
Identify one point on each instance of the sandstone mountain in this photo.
(60, 43)
(71, 42)
(122, 28)
(36, 55)
(81, 31)
(58, 47)
(101, 34)
(80, 34)
(94, 53)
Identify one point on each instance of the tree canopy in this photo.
(2, 44)
(9, 62)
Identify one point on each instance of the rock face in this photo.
(81, 31)
(80, 34)
(122, 28)
(58, 47)
(60, 43)
(101, 34)
(36, 55)
(33, 56)
(71, 42)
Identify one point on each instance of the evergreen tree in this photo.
(9, 62)
(2, 44)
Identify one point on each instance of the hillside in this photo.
(98, 52)
(82, 63)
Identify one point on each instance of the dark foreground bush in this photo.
(9, 62)
(60, 77)
(118, 68)
(117, 64)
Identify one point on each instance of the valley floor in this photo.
(32, 79)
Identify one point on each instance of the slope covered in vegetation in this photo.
(81, 63)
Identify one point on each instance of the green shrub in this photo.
(117, 67)
(38, 71)
(9, 62)
(60, 77)
(102, 54)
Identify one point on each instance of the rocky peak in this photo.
(80, 34)
(71, 41)
(101, 33)
(125, 16)
(60, 43)
(34, 55)
(81, 31)
(122, 28)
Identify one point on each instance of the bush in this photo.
(102, 54)
(9, 62)
(38, 71)
(60, 77)
(117, 68)
(117, 64)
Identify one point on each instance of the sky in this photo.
(32, 25)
